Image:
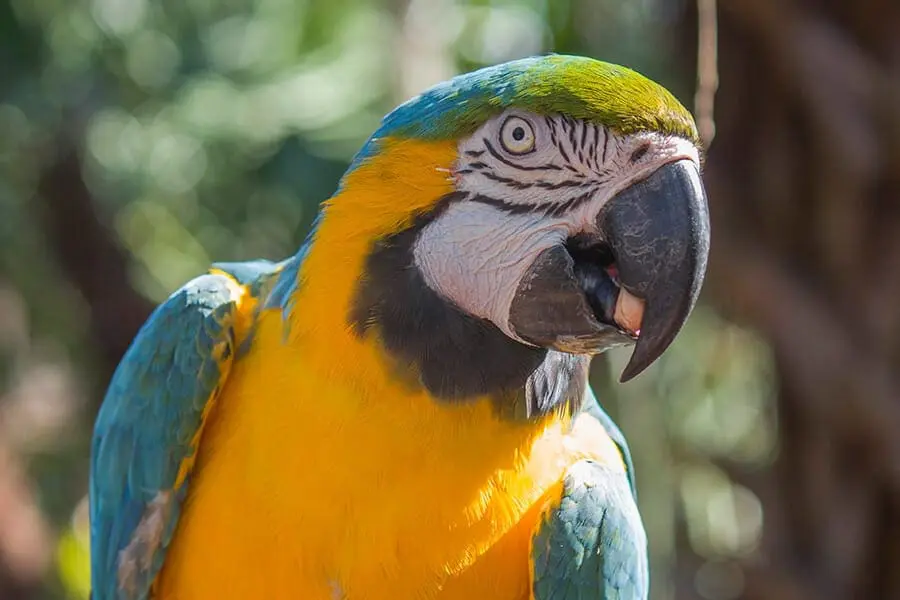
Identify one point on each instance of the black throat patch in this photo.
(452, 354)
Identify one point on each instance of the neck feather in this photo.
(360, 292)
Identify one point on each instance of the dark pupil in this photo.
(518, 134)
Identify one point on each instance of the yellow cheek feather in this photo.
(323, 477)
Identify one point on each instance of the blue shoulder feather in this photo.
(146, 431)
(593, 408)
(592, 543)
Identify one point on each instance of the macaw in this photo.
(401, 410)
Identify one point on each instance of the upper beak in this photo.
(658, 231)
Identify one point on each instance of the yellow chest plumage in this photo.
(322, 476)
(306, 486)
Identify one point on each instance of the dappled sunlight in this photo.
(140, 141)
(210, 134)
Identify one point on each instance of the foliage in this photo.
(210, 131)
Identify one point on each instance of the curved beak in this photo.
(658, 232)
(656, 235)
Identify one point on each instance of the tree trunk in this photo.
(804, 184)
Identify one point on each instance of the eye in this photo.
(517, 136)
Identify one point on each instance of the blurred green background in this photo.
(139, 141)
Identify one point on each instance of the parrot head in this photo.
(545, 208)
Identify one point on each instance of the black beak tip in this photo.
(631, 371)
(645, 355)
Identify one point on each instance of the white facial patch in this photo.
(475, 255)
(531, 182)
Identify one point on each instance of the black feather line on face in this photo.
(524, 185)
(493, 152)
(507, 181)
(551, 126)
(592, 151)
(572, 134)
(552, 209)
(455, 356)
(606, 141)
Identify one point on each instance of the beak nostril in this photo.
(640, 152)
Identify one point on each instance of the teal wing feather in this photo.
(593, 408)
(592, 544)
(147, 431)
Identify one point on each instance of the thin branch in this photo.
(707, 70)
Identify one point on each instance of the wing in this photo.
(592, 545)
(593, 408)
(148, 429)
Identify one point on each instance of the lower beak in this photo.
(656, 233)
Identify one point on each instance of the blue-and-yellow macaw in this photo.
(401, 410)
